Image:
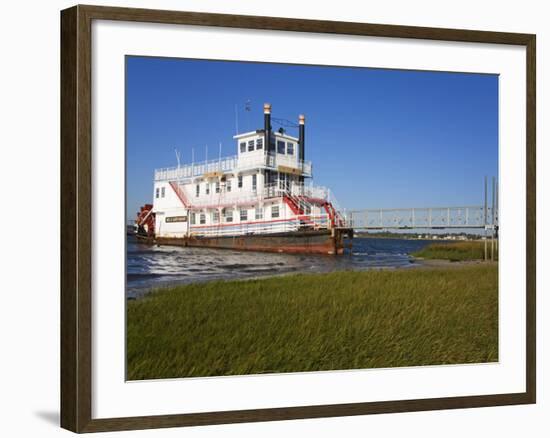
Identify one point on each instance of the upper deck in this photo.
(283, 153)
(282, 156)
(231, 164)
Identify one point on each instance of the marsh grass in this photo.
(456, 251)
(335, 321)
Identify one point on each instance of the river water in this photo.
(156, 266)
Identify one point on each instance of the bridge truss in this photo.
(482, 217)
(467, 217)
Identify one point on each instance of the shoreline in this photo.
(444, 263)
(416, 264)
(370, 258)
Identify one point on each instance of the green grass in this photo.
(456, 251)
(343, 320)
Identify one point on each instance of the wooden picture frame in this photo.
(76, 218)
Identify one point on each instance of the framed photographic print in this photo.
(268, 219)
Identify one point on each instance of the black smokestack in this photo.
(267, 126)
(302, 137)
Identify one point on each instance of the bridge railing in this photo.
(434, 217)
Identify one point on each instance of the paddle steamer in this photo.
(261, 199)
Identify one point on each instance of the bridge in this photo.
(483, 217)
(466, 217)
(477, 217)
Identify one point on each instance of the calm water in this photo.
(154, 266)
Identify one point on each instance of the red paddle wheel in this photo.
(145, 221)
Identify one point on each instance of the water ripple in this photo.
(154, 266)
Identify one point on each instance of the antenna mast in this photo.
(248, 109)
(178, 174)
(177, 157)
(236, 120)
(192, 162)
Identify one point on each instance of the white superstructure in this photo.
(265, 188)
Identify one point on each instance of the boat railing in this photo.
(178, 173)
(282, 188)
(343, 216)
(225, 199)
(301, 223)
(273, 190)
(306, 196)
(228, 164)
(307, 168)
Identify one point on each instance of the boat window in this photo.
(254, 182)
(274, 211)
(202, 218)
(259, 143)
(228, 185)
(243, 147)
(290, 148)
(240, 181)
(193, 218)
(244, 214)
(280, 147)
(259, 213)
(162, 192)
(215, 216)
(217, 187)
(228, 214)
(157, 193)
(198, 190)
(250, 145)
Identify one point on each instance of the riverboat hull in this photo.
(327, 242)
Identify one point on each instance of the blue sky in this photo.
(378, 138)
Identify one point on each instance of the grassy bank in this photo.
(340, 320)
(456, 251)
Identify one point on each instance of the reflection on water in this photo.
(154, 266)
